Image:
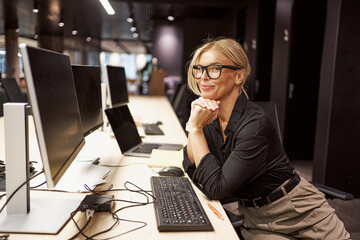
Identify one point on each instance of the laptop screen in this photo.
(124, 127)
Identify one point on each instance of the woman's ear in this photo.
(240, 76)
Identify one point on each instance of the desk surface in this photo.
(131, 169)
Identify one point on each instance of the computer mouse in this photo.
(171, 172)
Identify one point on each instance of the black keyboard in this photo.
(152, 129)
(177, 207)
(147, 147)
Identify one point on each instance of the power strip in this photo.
(98, 203)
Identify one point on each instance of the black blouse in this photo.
(249, 164)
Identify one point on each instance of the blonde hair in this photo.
(229, 48)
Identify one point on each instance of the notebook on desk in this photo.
(127, 136)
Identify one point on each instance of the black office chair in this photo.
(13, 90)
(172, 97)
(271, 111)
(182, 103)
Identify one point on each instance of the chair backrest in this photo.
(271, 111)
(182, 104)
(176, 91)
(180, 96)
(13, 90)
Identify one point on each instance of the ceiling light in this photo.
(107, 7)
(61, 22)
(88, 39)
(135, 35)
(74, 32)
(170, 18)
(36, 34)
(35, 9)
(130, 19)
(133, 29)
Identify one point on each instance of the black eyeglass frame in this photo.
(206, 68)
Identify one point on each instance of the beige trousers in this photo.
(303, 213)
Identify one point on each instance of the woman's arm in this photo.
(246, 162)
(203, 112)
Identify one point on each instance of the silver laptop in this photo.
(127, 136)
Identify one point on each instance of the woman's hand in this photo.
(203, 112)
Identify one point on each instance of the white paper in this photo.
(74, 179)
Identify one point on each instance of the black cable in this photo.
(98, 192)
(105, 231)
(4, 237)
(81, 231)
(38, 185)
(117, 219)
(129, 231)
(17, 189)
(142, 190)
(114, 214)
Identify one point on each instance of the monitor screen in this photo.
(56, 114)
(117, 86)
(13, 90)
(88, 91)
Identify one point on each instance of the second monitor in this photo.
(88, 89)
(116, 84)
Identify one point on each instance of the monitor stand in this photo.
(45, 214)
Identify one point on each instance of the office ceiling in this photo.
(91, 20)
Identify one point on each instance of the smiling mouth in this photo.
(207, 87)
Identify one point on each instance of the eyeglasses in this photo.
(212, 70)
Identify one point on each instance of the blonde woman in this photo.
(233, 152)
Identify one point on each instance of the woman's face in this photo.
(222, 87)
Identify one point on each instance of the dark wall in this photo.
(265, 43)
(307, 34)
(295, 73)
(250, 11)
(280, 58)
(337, 151)
(168, 47)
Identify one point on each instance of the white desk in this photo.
(135, 170)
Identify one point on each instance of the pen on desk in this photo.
(215, 211)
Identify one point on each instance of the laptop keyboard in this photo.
(147, 147)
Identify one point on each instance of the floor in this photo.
(347, 210)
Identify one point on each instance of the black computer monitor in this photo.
(13, 90)
(56, 116)
(117, 86)
(88, 89)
